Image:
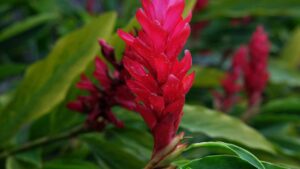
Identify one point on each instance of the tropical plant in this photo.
(92, 84)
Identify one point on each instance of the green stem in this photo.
(45, 141)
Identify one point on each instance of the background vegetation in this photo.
(46, 44)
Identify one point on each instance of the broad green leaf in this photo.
(240, 152)
(46, 82)
(217, 162)
(219, 125)
(236, 9)
(25, 25)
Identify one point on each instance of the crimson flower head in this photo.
(249, 62)
(230, 83)
(113, 91)
(158, 79)
(256, 71)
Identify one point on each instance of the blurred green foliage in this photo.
(46, 44)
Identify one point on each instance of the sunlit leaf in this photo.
(46, 82)
(291, 52)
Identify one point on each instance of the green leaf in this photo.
(54, 6)
(189, 5)
(47, 82)
(5, 99)
(69, 164)
(286, 106)
(15, 163)
(286, 137)
(138, 142)
(219, 125)
(33, 158)
(217, 162)
(236, 9)
(25, 25)
(222, 162)
(283, 74)
(240, 152)
(113, 155)
(291, 52)
(9, 70)
(207, 77)
(272, 166)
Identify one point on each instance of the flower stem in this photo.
(45, 141)
(172, 149)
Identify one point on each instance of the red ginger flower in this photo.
(251, 62)
(112, 92)
(230, 82)
(256, 73)
(158, 79)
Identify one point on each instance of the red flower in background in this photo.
(256, 71)
(158, 79)
(251, 62)
(112, 92)
(90, 6)
(230, 83)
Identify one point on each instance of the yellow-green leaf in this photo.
(291, 52)
(46, 82)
